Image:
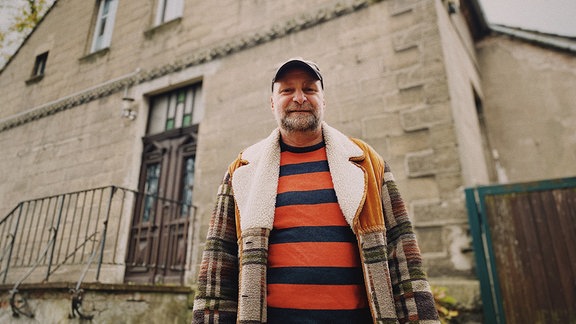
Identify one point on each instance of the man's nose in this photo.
(299, 96)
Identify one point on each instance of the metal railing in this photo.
(40, 236)
(76, 231)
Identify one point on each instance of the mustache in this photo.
(296, 107)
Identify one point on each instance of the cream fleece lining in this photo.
(256, 183)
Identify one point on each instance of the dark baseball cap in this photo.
(300, 63)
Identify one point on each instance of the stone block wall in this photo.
(106, 304)
(394, 74)
(532, 125)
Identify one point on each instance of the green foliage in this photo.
(29, 15)
(446, 305)
(23, 15)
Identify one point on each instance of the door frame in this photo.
(184, 137)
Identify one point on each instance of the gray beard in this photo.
(306, 123)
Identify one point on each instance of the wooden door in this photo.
(163, 213)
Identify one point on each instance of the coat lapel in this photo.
(256, 183)
(349, 178)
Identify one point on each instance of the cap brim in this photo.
(295, 63)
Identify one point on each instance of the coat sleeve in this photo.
(217, 295)
(412, 293)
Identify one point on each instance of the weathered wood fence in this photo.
(525, 245)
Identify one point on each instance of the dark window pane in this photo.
(187, 185)
(150, 190)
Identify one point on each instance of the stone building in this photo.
(119, 118)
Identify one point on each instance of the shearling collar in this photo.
(255, 184)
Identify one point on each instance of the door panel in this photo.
(159, 231)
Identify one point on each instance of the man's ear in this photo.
(271, 103)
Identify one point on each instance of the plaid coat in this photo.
(232, 280)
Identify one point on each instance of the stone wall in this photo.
(106, 304)
(394, 75)
(531, 125)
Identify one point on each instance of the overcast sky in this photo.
(548, 16)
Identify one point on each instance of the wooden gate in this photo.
(524, 238)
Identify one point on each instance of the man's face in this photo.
(298, 101)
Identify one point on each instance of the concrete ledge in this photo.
(105, 303)
(103, 287)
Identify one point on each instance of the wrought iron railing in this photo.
(39, 236)
(83, 230)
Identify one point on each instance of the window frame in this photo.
(176, 108)
(168, 10)
(104, 25)
(40, 65)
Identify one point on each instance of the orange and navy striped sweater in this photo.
(314, 273)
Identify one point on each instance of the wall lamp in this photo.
(128, 107)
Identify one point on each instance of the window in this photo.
(187, 185)
(104, 24)
(150, 190)
(168, 10)
(176, 109)
(40, 65)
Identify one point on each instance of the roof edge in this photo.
(562, 43)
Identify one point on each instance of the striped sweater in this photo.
(232, 278)
(314, 272)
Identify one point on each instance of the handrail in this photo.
(20, 305)
(74, 220)
(10, 244)
(24, 309)
(77, 293)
